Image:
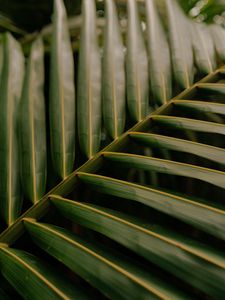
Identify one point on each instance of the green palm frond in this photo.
(11, 86)
(62, 95)
(137, 230)
(89, 83)
(144, 216)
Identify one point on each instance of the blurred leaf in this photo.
(31, 15)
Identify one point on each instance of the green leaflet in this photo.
(218, 35)
(190, 124)
(199, 215)
(89, 83)
(202, 106)
(32, 126)
(213, 92)
(180, 43)
(10, 86)
(124, 279)
(214, 177)
(204, 52)
(136, 66)
(195, 263)
(160, 141)
(62, 95)
(33, 279)
(113, 79)
(1, 55)
(159, 56)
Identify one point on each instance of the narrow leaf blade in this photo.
(113, 79)
(180, 42)
(199, 215)
(62, 95)
(89, 83)
(33, 126)
(11, 86)
(136, 66)
(159, 56)
(32, 278)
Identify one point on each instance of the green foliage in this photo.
(113, 77)
(11, 86)
(144, 217)
(136, 66)
(32, 126)
(62, 95)
(159, 56)
(89, 83)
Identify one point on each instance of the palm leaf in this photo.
(87, 260)
(159, 55)
(11, 85)
(62, 97)
(170, 143)
(172, 242)
(1, 55)
(185, 123)
(204, 217)
(136, 66)
(168, 167)
(89, 83)
(180, 43)
(204, 51)
(16, 265)
(157, 245)
(121, 232)
(207, 107)
(113, 79)
(32, 126)
(218, 35)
